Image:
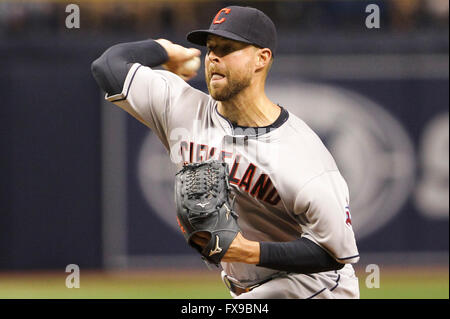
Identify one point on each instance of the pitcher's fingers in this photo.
(203, 234)
(202, 242)
(189, 76)
(189, 53)
(195, 52)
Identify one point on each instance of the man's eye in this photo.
(221, 50)
(226, 49)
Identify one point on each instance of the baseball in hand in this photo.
(190, 66)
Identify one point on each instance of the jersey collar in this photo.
(256, 131)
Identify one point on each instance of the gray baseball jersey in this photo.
(286, 182)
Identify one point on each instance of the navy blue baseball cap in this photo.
(244, 24)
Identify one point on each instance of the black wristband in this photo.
(299, 256)
(111, 68)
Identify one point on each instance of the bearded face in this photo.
(228, 68)
(225, 84)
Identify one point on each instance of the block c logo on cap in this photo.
(216, 21)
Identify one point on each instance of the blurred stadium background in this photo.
(83, 183)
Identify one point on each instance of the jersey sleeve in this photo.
(149, 95)
(322, 207)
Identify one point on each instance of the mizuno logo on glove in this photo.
(216, 249)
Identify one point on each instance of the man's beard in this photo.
(233, 87)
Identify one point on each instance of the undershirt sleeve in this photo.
(299, 256)
(111, 68)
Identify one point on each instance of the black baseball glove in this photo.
(203, 199)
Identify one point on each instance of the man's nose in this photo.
(213, 57)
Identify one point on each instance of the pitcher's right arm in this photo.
(124, 72)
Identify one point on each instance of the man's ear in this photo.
(263, 58)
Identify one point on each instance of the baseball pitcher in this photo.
(288, 231)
